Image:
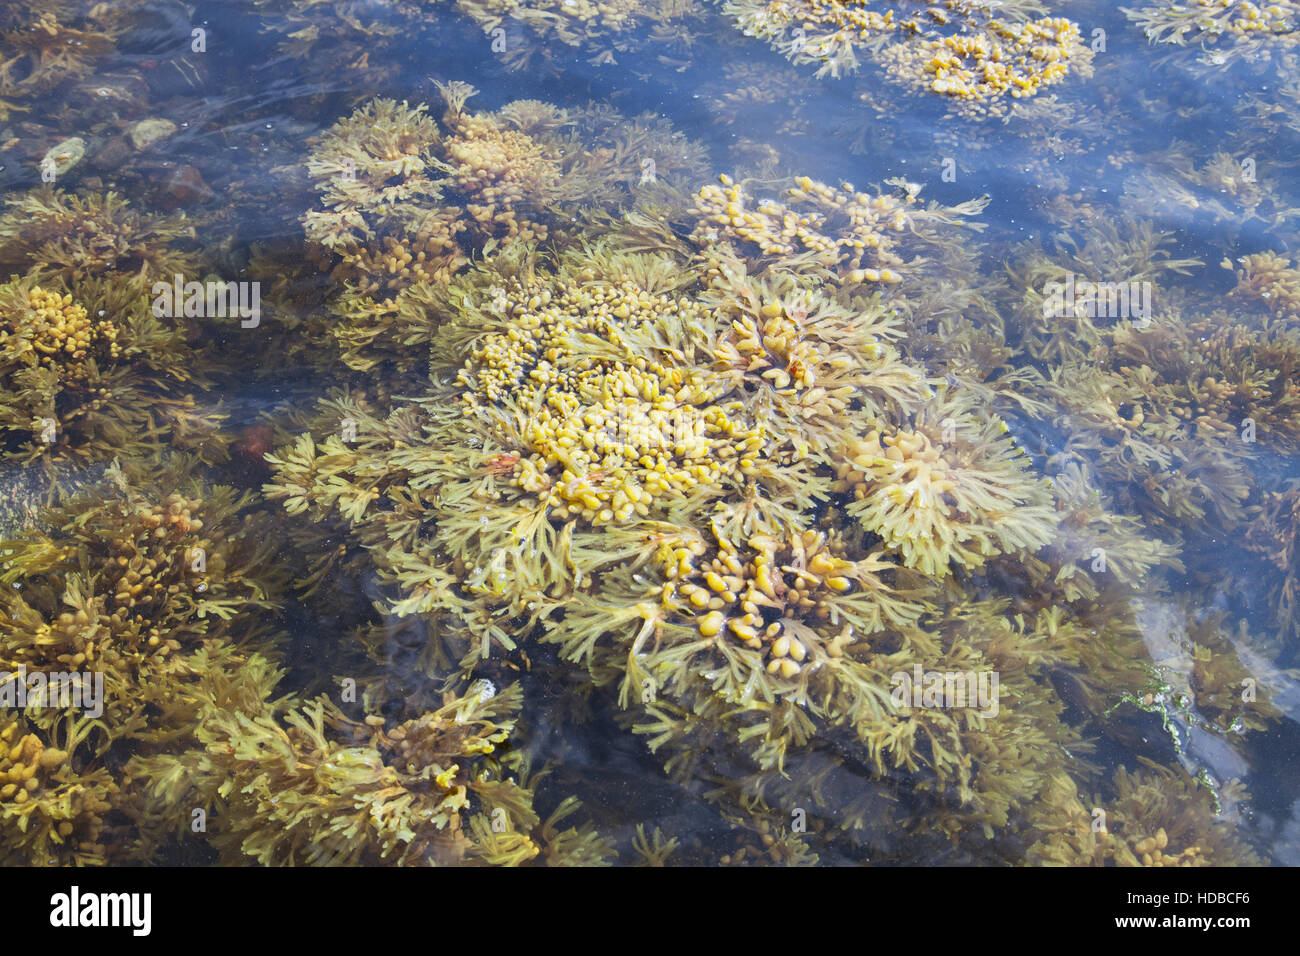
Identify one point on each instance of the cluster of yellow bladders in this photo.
(777, 350)
(855, 18)
(908, 477)
(860, 245)
(432, 738)
(849, 15)
(504, 170)
(747, 598)
(1268, 279)
(61, 332)
(1153, 851)
(979, 61)
(608, 431)
(1240, 17)
(149, 568)
(25, 763)
(1210, 406)
(429, 254)
(765, 851)
(149, 562)
(21, 760)
(1014, 60)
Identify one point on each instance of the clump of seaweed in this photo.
(1172, 407)
(838, 29)
(739, 624)
(61, 334)
(523, 490)
(1153, 816)
(981, 71)
(570, 411)
(114, 611)
(1272, 534)
(409, 202)
(352, 35)
(1231, 689)
(559, 413)
(939, 764)
(431, 790)
(756, 842)
(576, 416)
(1222, 193)
(51, 814)
(129, 582)
(45, 47)
(376, 172)
(1267, 280)
(1271, 112)
(1097, 548)
(750, 95)
(977, 54)
(1224, 33)
(91, 235)
(1073, 296)
(89, 373)
(810, 363)
(855, 237)
(952, 489)
(1174, 413)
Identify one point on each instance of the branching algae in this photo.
(408, 201)
(89, 373)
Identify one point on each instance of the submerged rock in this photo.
(184, 187)
(149, 131)
(63, 156)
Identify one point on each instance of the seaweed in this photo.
(981, 71)
(1176, 412)
(1271, 533)
(531, 35)
(853, 542)
(46, 47)
(1154, 816)
(129, 581)
(977, 55)
(82, 391)
(1219, 193)
(1269, 281)
(131, 596)
(326, 36)
(1063, 294)
(818, 230)
(429, 790)
(91, 235)
(950, 490)
(1223, 34)
(409, 202)
(51, 814)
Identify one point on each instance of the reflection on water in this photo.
(805, 431)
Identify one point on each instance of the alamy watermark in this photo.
(946, 689)
(1113, 300)
(83, 690)
(213, 299)
(77, 909)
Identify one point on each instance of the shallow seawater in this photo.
(684, 432)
